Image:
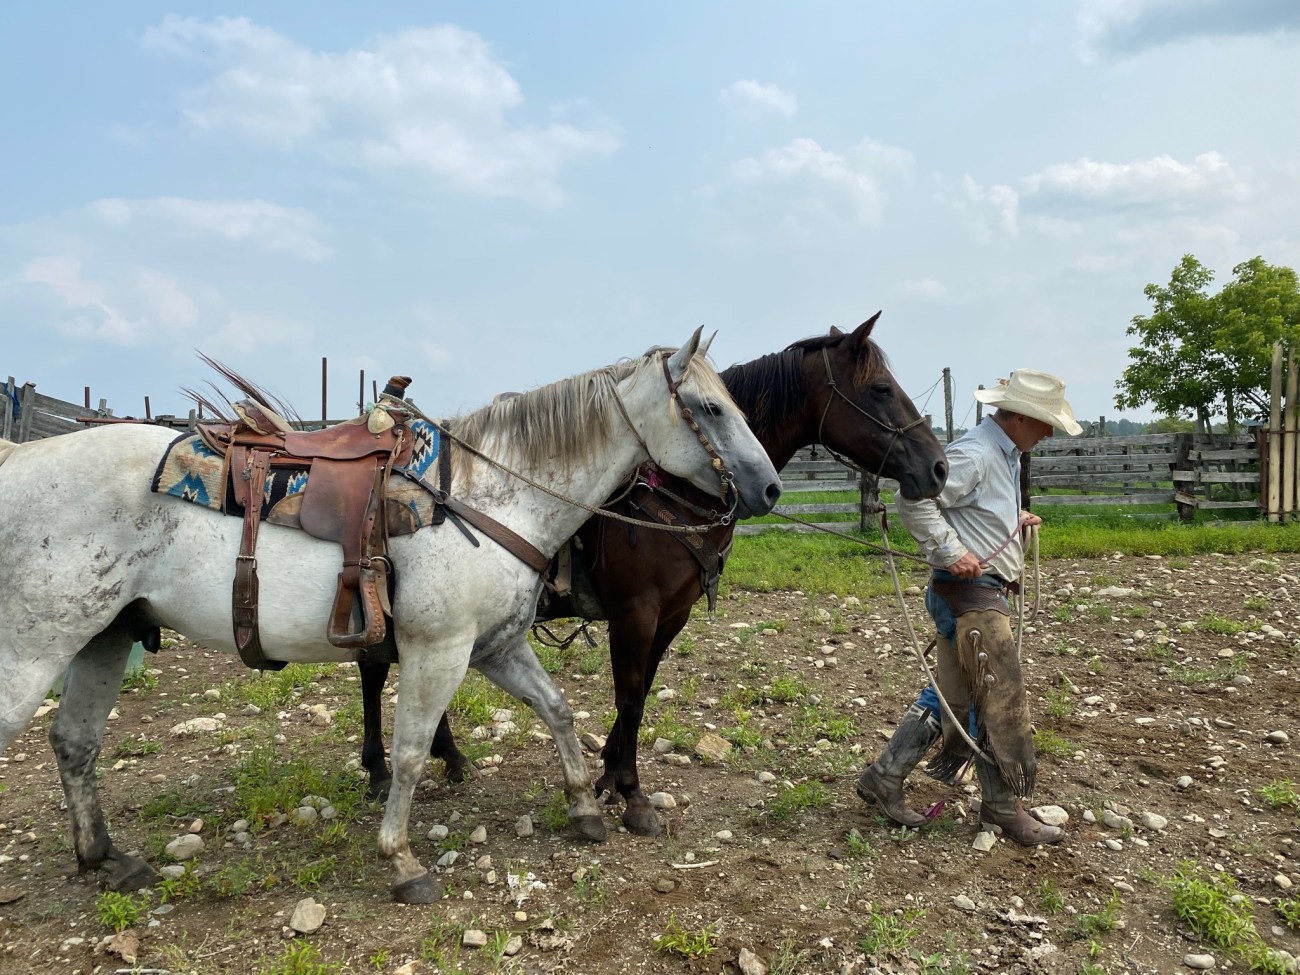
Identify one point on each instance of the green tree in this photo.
(1203, 354)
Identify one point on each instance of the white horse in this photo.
(91, 555)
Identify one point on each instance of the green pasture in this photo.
(822, 563)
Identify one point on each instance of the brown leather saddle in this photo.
(348, 466)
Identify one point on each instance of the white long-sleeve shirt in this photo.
(978, 508)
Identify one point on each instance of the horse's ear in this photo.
(680, 359)
(836, 331)
(704, 346)
(862, 333)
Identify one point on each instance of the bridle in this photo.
(727, 480)
(895, 432)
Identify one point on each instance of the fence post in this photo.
(1289, 452)
(947, 401)
(7, 421)
(868, 499)
(979, 408)
(1273, 438)
(26, 411)
(1024, 479)
(1183, 462)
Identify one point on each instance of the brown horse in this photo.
(836, 390)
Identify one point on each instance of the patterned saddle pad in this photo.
(192, 471)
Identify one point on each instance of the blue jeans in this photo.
(946, 623)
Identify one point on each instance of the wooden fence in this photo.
(1189, 472)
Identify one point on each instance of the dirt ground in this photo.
(1141, 670)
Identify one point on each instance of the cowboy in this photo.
(973, 536)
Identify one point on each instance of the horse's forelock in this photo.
(869, 362)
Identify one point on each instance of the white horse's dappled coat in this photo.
(90, 554)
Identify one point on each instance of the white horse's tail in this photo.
(5, 447)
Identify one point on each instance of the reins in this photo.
(727, 480)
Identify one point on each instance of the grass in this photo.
(1050, 899)
(299, 958)
(1209, 905)
(1222, 671)
(1280, 794)
(685, 943)
(803, 796)
(1289, 911)
(820, 564)
(1048, 742)
(555, 814)
(858, 846)
(266, 784)
(888, 934)
(1221, 625)
(1059, 703)
(117, 912)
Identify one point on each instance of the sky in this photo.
(490, 197)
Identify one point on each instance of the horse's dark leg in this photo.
(444, 747)
(636, 649)
(373, 677)
(89, 692)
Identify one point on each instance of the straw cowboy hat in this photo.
(1033, 393)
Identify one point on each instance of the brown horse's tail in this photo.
(6, 447)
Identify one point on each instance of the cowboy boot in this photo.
(999, 806)
(881, 782)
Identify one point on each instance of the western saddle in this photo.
(345, 501)
(349, 465)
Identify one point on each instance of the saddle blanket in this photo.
(192, 471)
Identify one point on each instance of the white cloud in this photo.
(926, 288)
(987, 211)
(1160, 181)
(272, 227)
(432, 101)
(1127, 27)
(826, 179)
(753, 98)
(247, 333)
(93, 315)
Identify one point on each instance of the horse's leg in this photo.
(444, 747)
(428, 682)
(636, 648)
(515, 669)
(89, 693)
(374, 676)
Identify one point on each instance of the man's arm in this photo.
(924, 519)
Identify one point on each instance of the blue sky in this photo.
(489, 197)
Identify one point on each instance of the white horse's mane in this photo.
(6, 447)
(562, 425)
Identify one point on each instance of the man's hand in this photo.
(966, 567)
(1029, 520)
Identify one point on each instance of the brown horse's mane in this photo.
(772, 388)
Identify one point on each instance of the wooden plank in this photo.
(1248, 455)
(1216, 477)
(837, 487)
(817, 509)
(1163, 497)
(1092, 484)
(1253, 503)
(747, 528)
(1110, 462)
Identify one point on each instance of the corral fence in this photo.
(1184, 472)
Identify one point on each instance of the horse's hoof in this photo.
(127, 873)
(590, 828)
(378, 791)
(458, 772)
(417, 890)
(642, 821)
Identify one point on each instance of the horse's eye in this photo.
(712, 408)
(882, 389)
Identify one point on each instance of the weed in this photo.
(1059, 704)
(441, 946)
(1048, 742)
(1090, 925)
(178, 888)
(857, 845)
(555, 814)
(233, 880)
(590, 886)
(791, 802)
(788, 960)
(685, 645)
(1280, 794)
(1095, 665)
(1214, 623)
(1063, 614)
(787, 688)
(173, 805)
(117, 912)
(1137, 612)
(888, 933)
(1289, 912)
(1258, 604)
(379, 960)
(677, 940)
(950, 961)
(310, 875)
(136, 748)
(299, 958)
(141, 679)
(1049, 898)
(266, 784)
(1210, 908)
